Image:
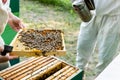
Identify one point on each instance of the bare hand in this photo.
(7, 58)
(15, 22)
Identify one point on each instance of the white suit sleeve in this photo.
(1, 4)
(3, 19)
(7, 5)
(1, 43)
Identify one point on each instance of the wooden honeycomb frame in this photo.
(20, 50)
(40, 68)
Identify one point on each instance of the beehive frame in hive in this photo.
(18, 47)
(47, 68)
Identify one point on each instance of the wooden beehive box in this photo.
(30, 42)
(41, 68)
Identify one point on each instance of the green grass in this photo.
(65, 4)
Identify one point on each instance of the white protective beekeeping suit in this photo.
(104, 27)
(4, 8)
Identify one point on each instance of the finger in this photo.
(15, 28)
(12, 57)
(22, 25)
(1, 49)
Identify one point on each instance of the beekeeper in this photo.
(103, 28)
(6, 16)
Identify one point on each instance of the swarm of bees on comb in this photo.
(45, 40)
